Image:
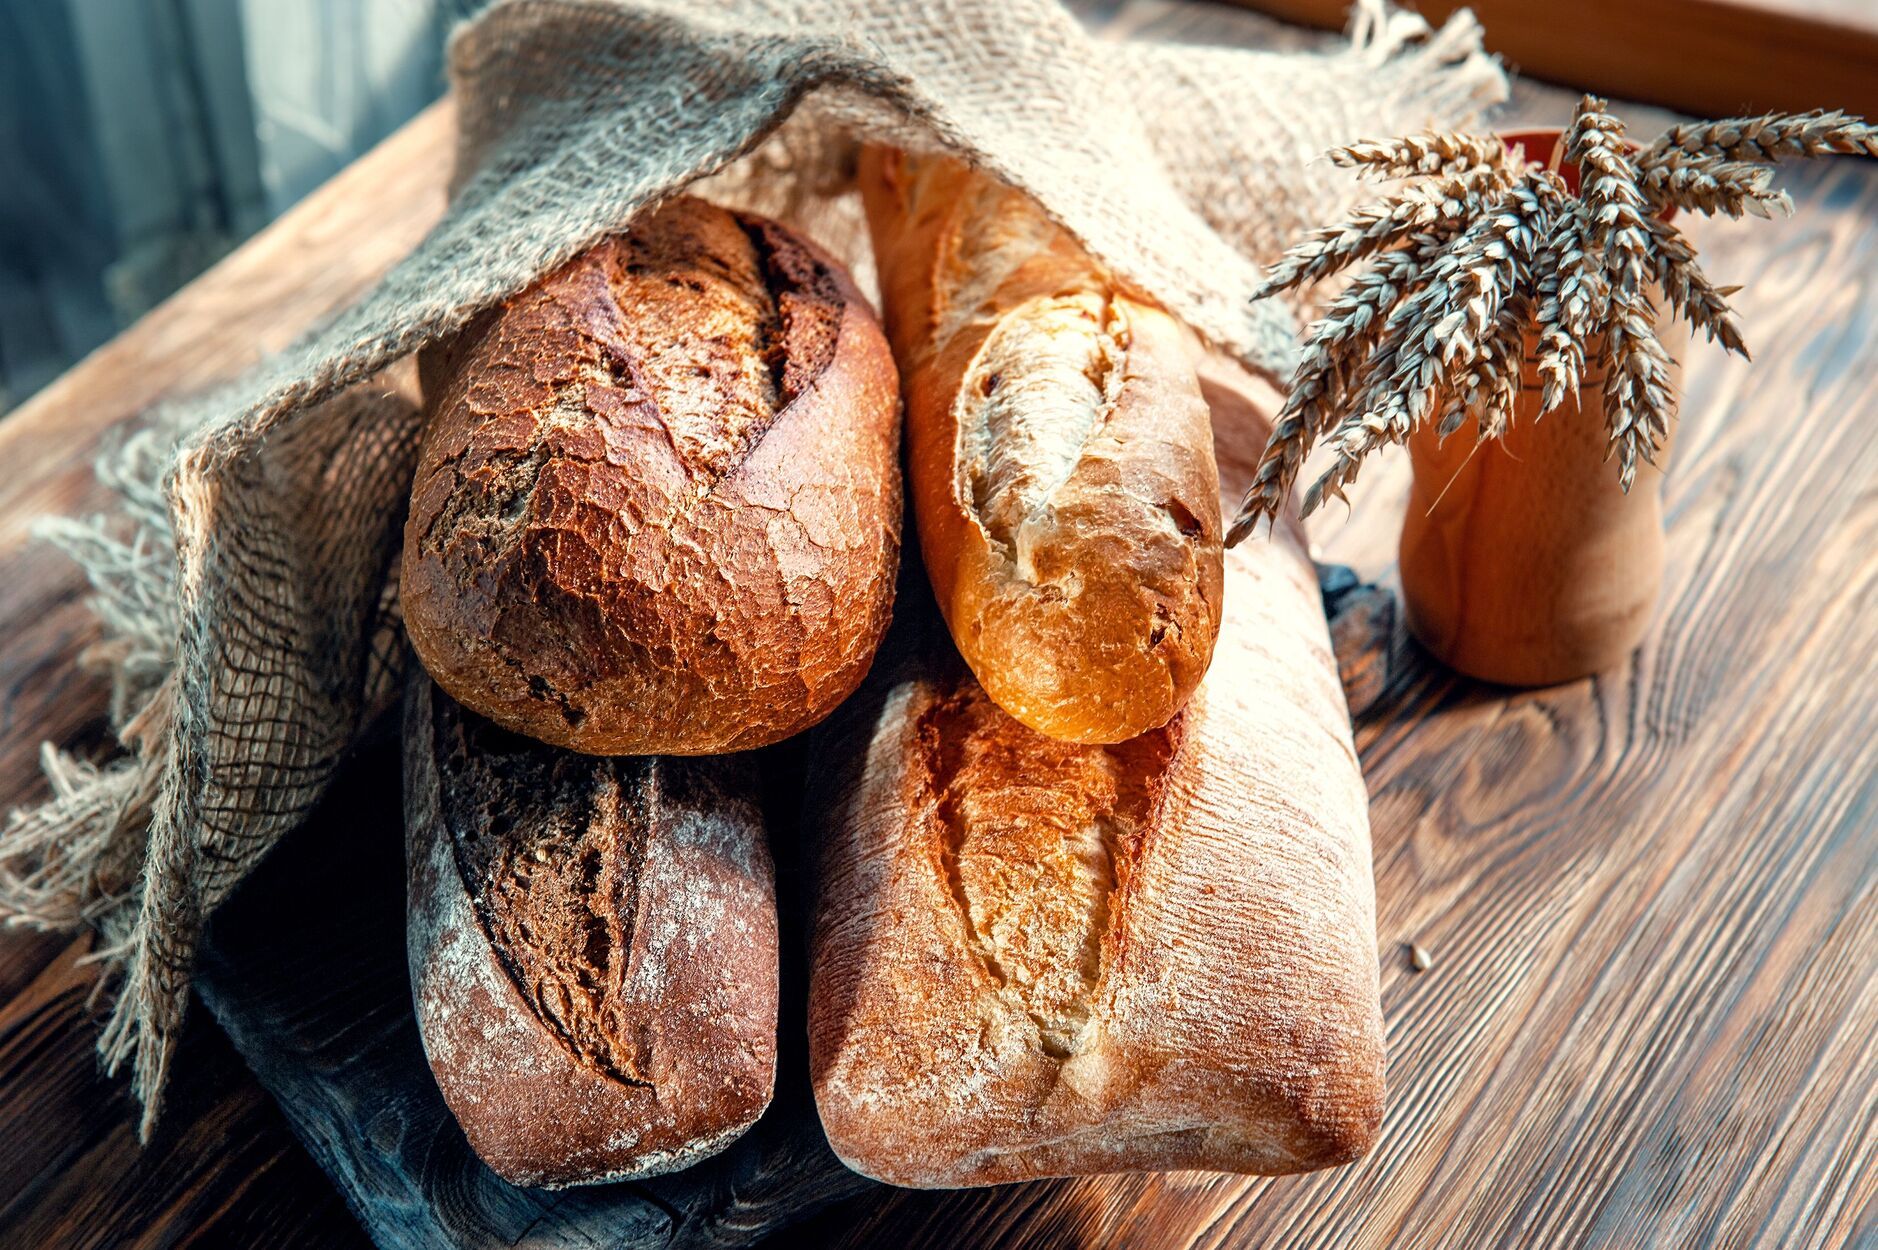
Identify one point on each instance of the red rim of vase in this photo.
(1539, 144)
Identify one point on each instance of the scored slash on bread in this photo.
(1059, 455)
(593, 948)
(657, 503)
(1036, 958)
(656, 514)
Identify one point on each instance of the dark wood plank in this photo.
(225, 1169)
(1713, 58)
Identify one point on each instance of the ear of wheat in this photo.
(1482, 252)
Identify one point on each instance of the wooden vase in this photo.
(1523, 561)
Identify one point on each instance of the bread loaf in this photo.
(657, 504)
(1035, 958)
(592, 946)
(1058, 455)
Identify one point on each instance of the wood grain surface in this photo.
(224, 1169)
(1650, 898)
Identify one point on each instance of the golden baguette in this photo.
(1059, 455)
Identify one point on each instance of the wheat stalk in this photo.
(1569, 291)
(1333, 343)
(1369, 229)
(1491, 385)
(1770, 137)
(1464, 157)
(1441, 331)
(1460, 268)
(1636, 390)
(1637, 396)
(1613, 202)
(1522, 233)
(1689, 291)
(1713, 184)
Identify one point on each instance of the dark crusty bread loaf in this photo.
(1058, 454)
(592, 945)
(1036, 958)
(657, 504)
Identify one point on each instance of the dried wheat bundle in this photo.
(1484, 252)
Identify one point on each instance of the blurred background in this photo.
(140, 140)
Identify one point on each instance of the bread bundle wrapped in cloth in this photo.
(647, 517)
(1140, 938)
(656, 516)
(1143, 937)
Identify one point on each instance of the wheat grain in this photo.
(1770, 137)
(1688, 290)
(1636, 387)
(1489, 388)
(1712, 184)
(1612, 202)
(1569, 290)
(1637, 399)
(1466, 157)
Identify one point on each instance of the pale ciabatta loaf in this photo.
(1033, 958)
(592, 945)
(657, 505)
(1058, 454)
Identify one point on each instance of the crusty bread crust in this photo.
(1033, 958)
(1058, 451)
(657, 505)
(592, 945)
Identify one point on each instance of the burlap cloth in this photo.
(247, 582)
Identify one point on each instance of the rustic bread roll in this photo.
(592, 946)
(1058, 455)
(657, 505)
(1034, 958)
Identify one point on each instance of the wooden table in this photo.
(1651, 897)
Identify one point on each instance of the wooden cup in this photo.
(1522, 560)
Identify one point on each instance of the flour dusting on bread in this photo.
(1040, 388)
